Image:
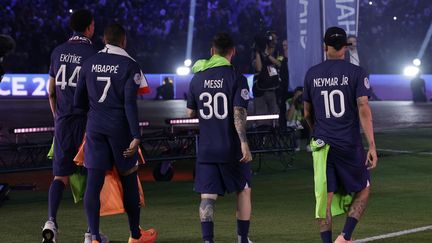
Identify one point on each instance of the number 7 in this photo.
(107, 86)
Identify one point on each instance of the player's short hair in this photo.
(80, 20)
(114, 34)
(223, 43)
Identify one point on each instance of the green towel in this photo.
(340, 202)
(50, 154)
(77, 180)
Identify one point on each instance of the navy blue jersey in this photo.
(109, 83)
(213, 93)
(66, 62)
(332, 88)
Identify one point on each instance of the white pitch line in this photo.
(395, 234)
(404, 151)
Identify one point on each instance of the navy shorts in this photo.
(68, 136)
(102, 152)
(218, 178)
(346, 170)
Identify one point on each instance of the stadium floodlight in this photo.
(370, 3)
(182, 71)
(417, 62)
(188, 62)
(70, 10)
(411, 71)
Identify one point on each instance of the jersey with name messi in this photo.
(213, 92)
(109, 83)
(66, 62)
(332, 87)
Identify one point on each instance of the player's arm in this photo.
(240, 116)
(131, 110)
(365, 115)
(308, 114)
(81, 96)
(52, 95)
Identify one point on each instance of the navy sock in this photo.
(131, 203)
(207, 231)
(350, 224)
(326, 237)
(95, 180)
(55, 195)
(243, 230)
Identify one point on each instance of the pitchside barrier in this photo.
(164, 148)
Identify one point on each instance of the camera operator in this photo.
(266, 79)
(295, 118)
(7, 44)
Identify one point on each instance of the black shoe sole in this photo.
(48, 236)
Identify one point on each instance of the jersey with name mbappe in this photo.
(66, 62)
(213, 93)
(108, 85)
(332, 88)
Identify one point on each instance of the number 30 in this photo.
(215, 108)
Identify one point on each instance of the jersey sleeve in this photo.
(306, 89)
(81, 96)
(362, 85)
(51, 68)
(130, 99)
(144, 88)
(241, 95)
(191, 101)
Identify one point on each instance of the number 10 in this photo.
(329, 103)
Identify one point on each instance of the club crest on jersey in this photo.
(245, 94)
(366, 83)
(137, 78)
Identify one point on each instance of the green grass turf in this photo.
(283, 203)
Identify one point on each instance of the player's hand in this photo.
(371, 158)
(247, 156)
(133, 148)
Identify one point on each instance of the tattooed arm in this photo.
(240, 115)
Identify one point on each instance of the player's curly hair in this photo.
(80, 20)
(223, 43)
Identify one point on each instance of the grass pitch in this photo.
(283, 203)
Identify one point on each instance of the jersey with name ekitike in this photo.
(66, 62)
(332, 88)
(109, 84)
(213, 93)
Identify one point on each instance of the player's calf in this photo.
(206, 212)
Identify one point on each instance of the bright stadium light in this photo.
(417, 62)
(70, 10)
(411, 71)
(370, 3)
(187, 62)
(183, 71)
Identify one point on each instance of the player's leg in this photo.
(208, 183)
(131, 202)
(95, 181)
(355, 179)
(325, 225)
(355, 212)
(98, 159)
(68, 136)
(244, 210)
(206, 214)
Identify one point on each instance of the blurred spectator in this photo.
(295, 118)
(353, 55)
(266, 80)
(418, 89)
(282, 92)
(166, 90)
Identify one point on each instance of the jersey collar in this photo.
(80, 38)
(111, 49)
